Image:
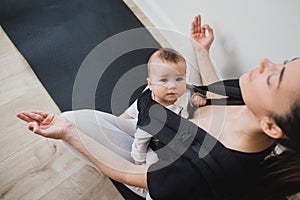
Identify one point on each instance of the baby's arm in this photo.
(131, 112)
(140, 146)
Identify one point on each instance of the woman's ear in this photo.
(269, 126)
(149, 83)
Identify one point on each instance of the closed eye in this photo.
(268, 80)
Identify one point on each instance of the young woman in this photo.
(236, 167)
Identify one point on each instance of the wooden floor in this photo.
(32, 167)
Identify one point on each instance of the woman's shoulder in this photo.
(252, 159)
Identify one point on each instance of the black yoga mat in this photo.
(55, 36)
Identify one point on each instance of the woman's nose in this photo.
(265, 64)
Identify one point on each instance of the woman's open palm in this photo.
(45, 124)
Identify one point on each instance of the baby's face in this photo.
(167, 81)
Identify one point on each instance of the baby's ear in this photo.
(269, 126)
(149, 83)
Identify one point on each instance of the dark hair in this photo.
(281, 171)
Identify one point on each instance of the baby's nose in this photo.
(172, 84)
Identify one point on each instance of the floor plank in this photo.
(35, 170)
(85, 176)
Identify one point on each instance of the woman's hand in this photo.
(46, 124)
(108, 162)
(200, 39)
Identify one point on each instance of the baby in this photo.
(167, 82)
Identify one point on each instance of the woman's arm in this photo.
(206, 68)
(109, 163)
(202, 38)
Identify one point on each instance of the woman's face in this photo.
(271, 88)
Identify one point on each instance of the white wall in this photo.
(245, 31)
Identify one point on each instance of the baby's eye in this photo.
(179, 79)
(164, 80)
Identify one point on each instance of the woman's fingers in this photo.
(43, 123)
(43, 114)
(49, 119)
(194, 27)
(34, 127)
(34, 116)
(29, 117)
(209, 30)
(198, 23)
(23, 117)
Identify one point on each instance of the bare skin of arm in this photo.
(202, 38)
(124, 115)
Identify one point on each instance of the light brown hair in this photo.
(166, 55)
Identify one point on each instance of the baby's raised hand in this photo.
(198, 100)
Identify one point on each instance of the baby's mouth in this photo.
(171, 93)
